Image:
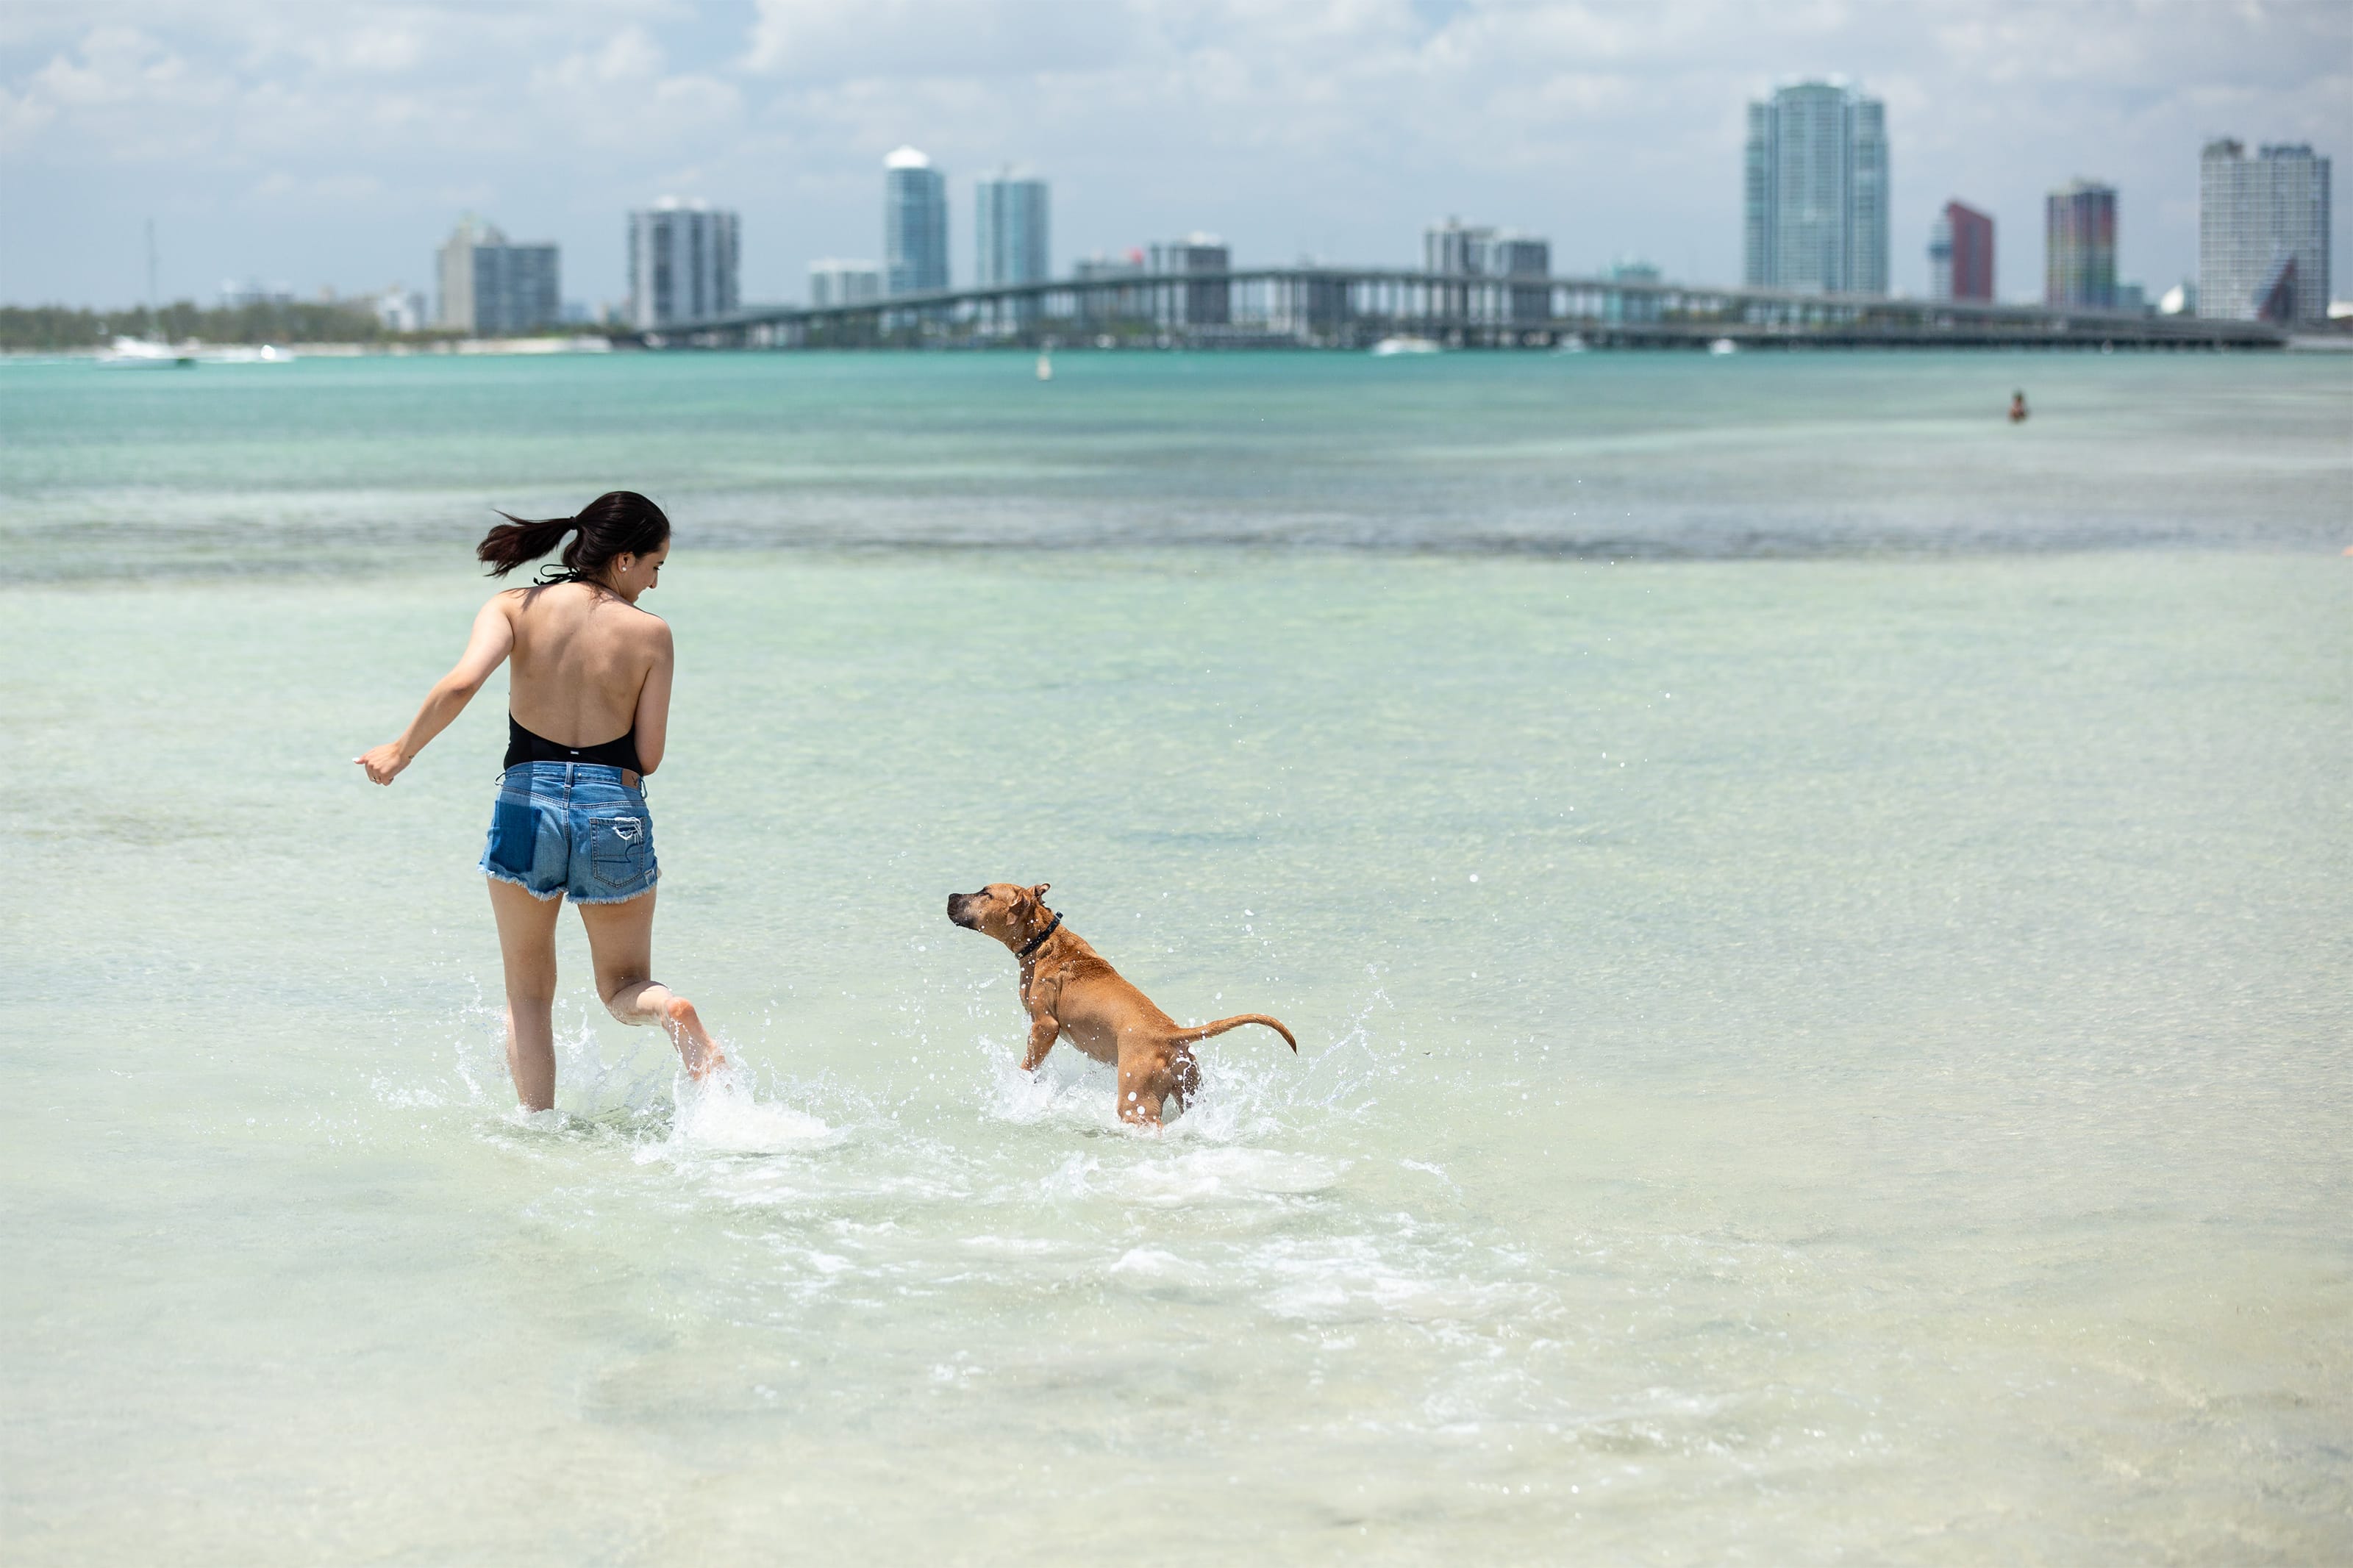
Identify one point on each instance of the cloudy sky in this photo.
(334, 143)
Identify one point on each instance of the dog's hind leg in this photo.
(1140, 1091)
(1183, 1077)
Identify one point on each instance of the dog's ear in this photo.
(1039, 892)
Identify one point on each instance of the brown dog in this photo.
(1068, 989)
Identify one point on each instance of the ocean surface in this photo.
(1819, 926)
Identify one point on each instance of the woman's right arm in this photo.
(486, 649)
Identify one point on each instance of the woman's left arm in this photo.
(486, 649)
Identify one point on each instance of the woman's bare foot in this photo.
(695, 1046)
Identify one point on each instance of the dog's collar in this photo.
(1039, 940)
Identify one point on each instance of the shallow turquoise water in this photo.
(1597, 456)
(1835, 1056)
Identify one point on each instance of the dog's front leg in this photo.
(1044, 1030)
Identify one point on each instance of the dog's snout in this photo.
(957, 902)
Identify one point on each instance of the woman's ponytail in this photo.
(619, 523)
(518, 539)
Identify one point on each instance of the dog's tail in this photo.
(1203, 1031)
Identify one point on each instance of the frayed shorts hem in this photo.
(496, 875)
(512, 880)
(616, 898)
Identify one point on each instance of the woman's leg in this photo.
(527, 943)
(621, 941)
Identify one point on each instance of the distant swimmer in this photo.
(571, 815)
(2018, 408)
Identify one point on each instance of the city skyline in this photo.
(330, 148)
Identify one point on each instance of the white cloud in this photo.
(308, 192)
(617, 97)
(113, 66)
(819, 40)
(383, 50)
(629, 55)
(23, 117)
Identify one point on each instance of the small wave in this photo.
(1157, 1265)
(1067, 1089)
(1223, 1176)
(1015, 1245)
(1356, 1279)
(722, 1115)
(1194, 1177)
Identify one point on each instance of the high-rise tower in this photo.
(1009, 215)
(490, 288)
(1456, 249)
(1206, 303)
(2079, 248)
(2262, 234)
(915, 223)
(1960, 255)
(1009, 222)
(682, 263)
(1815, 191)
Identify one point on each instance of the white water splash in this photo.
(722, 1115)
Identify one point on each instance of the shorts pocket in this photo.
(515, 837)
(620, 848)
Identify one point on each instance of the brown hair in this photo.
(619, 523)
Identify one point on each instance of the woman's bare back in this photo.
(581, 664)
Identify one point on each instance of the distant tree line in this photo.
(57, 327)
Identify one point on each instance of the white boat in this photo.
(1574, 343)
(144, 353)
(1724, 346)
(1045, 367)
(1405, 345)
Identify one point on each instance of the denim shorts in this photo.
(571, 828)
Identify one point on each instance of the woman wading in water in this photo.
(571, 815)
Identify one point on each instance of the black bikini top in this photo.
(522, 746)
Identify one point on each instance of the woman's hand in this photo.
(383, 762)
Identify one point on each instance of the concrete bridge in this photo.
(1354, 308)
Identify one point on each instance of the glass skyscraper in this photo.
(682, 263)
(490, 288)
(1815, 191)
(915, 223)
(2262, 234)
(2079, 248)
(1010, 228)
